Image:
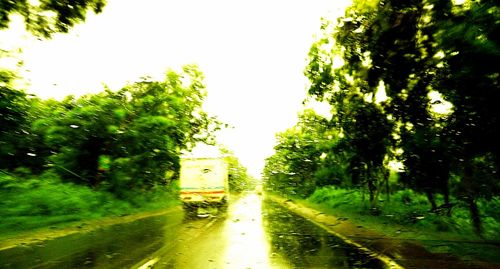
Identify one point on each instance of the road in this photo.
(253, 233)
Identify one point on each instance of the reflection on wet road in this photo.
(116, 246)
(237, 241)
(308, 246)
(252, 234)
(257, 234)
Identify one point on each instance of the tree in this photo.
(357, 115)
(238, 177)
(291, 170)
(124, 140)
(78, 132)
(13, 127)
(408, 50)
(368, 134)
(44, 18)
(468, 36)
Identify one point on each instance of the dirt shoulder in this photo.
(396, 252)
(48, 233)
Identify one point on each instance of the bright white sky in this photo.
(252, 53)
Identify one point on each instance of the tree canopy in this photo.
(45, 17)
(416, 82)
(116, 140)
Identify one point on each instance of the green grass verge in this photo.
(406, 216)
(32, 203)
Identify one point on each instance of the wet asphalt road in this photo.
(253, 233)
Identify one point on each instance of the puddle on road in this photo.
(307, 246)
(261, 234)
(116, 246)
(254, 234)
(246, 243)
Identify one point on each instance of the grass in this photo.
(39, 202)
(407, 216)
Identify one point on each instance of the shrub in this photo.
(45, 200)
(411, 209)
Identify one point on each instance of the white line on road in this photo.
(391, 263)
(149, 264)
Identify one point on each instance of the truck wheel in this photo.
(190, 210)
(222, 206)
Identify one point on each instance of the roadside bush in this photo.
(31, 202)
(337, 198)
(36, 197)
(410, 209)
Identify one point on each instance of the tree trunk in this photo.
(470, 197)
(475, 216)
(372, 189)
(446, 195)
(362, 181)
(432, 201)
(362, 194)
(386, 179)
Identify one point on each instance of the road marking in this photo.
(210, 223)
(163, 250)
(386, 259)
(391, 263)
(32, 237)
(149, 264)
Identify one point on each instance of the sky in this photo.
(252, 52)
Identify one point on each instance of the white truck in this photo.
(203, 183)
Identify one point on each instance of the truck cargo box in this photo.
(203, 182)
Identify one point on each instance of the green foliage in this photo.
(34, 198)
(292, 169)
(379, 67)
(238, 176)
(140, 130)
(336, 198)
(99, 154)
(50, 16)
(408, 208)
(13, 126)
(48, 197)
(29, 202)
